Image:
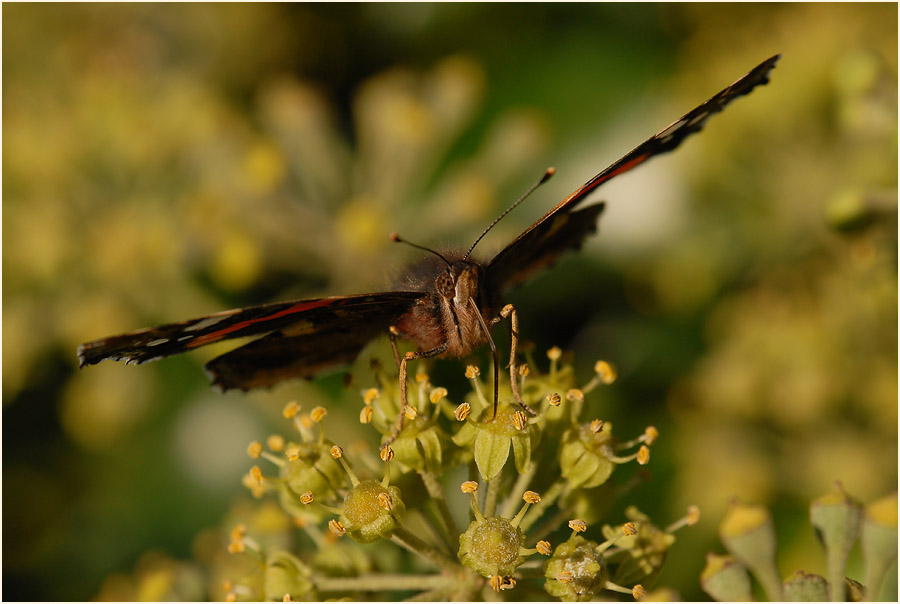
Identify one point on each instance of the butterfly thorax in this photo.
(448, 315)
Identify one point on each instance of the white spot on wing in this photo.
(668, 132)
(158, 342)
(207, 322)
(698, 119)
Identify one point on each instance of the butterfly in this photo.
(445, 305)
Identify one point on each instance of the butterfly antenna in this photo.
(550, 172)
(398, 239)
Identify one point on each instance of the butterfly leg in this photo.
(509, 311)
(409, 356)
(392, 336)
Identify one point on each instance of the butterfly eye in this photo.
(444, 285)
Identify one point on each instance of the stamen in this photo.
(643, 456)
(336, 528)
(531, 497)
(370, 396)
(574, 395)
(291, 409)
(254, 449)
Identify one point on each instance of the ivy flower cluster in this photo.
(464, 503)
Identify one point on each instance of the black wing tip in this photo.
(759, 75)
(87, 355)
(770, 62)
(92, 353)
(767, 66)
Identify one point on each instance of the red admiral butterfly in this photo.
(445, 306)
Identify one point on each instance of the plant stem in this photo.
(408, 540)
(490, 497)
(449, 530)
(382, 582)
(441, 594)
(521, 485)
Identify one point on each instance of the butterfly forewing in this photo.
(541, 243)
(298, 317)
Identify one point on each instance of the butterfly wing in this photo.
(306, 348)
(540, 246)
(556, 232)
(311, 326)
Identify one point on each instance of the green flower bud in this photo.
(879, 541)
(372, 511)
(420, 445)
(285, 574)
(805, 587)
(492, 546)
(575, 572)
(310, 467)
(584, 456)
(643, 553)
(747, 533)
(836, 518)
(725, 579)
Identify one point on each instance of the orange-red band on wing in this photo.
(218, 335)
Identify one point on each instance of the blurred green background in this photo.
(162, 162)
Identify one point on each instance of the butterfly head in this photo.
(458, 282)
(460, 306)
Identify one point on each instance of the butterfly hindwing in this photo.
(540, 245)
